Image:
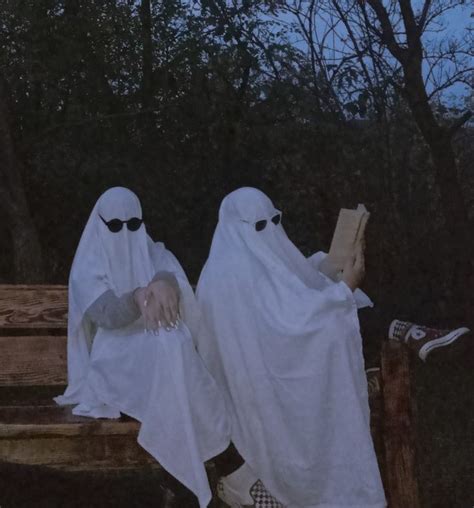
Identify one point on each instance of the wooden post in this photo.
(398, 427)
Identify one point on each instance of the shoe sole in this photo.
(442, 341)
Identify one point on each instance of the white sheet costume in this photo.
(284, 343)
(159, 380)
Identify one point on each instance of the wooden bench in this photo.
(35, 431)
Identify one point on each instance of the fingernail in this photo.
(168, 329)
(159, 324)
(145, 303)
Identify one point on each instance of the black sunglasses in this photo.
(260, 225)
(116, 225)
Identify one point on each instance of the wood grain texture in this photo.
(80, 452)
(34, 306)
(15, 396)
(34, 422)
(398, 427)
(33, 360)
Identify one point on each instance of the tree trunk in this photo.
(458, 244)
(28, 262)
(439, 141)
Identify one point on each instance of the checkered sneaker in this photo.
(263, 498)
(260, 495)
(422, 339)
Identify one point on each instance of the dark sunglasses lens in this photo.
(260, 225)
(276, 219)
(115, 225)
(134, 224)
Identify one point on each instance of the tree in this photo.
(370, 53)
(410, 55)
(28, 260)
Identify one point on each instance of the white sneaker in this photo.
(260, 496)
(242, 489)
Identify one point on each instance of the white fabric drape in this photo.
(159, 380)
(283, 341)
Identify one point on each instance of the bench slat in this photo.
(37, 421)
(33, 307)
(80, 452)
(18, 396)
(33, 360)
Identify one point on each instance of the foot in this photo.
(422, 339)
(263, 498)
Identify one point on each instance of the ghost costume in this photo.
(158, 380)
(283, 341)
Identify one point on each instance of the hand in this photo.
(162, 303)
(354, 269)
(140, 297)
(328, 268)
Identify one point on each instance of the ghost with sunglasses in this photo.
(282, 340)
(122, 288)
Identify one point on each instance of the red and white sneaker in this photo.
(421, 338)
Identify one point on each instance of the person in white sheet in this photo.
(132, 316)
(283, 341)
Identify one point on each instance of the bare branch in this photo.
(455, 78)
(387, 36)
(411, 28)
(423, 17)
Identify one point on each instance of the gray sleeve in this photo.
(112, 311)
(168, 277)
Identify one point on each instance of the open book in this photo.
(349, 232)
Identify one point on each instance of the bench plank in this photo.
(37, 396)
(37, 421)
(398, 427)
(33, 307)
(33, 360)
(78, 453)
(53, 436)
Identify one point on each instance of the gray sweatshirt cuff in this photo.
(111, 311)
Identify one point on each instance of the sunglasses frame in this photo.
(107, 223)
(264, 222)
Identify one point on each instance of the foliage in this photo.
(228, 98)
